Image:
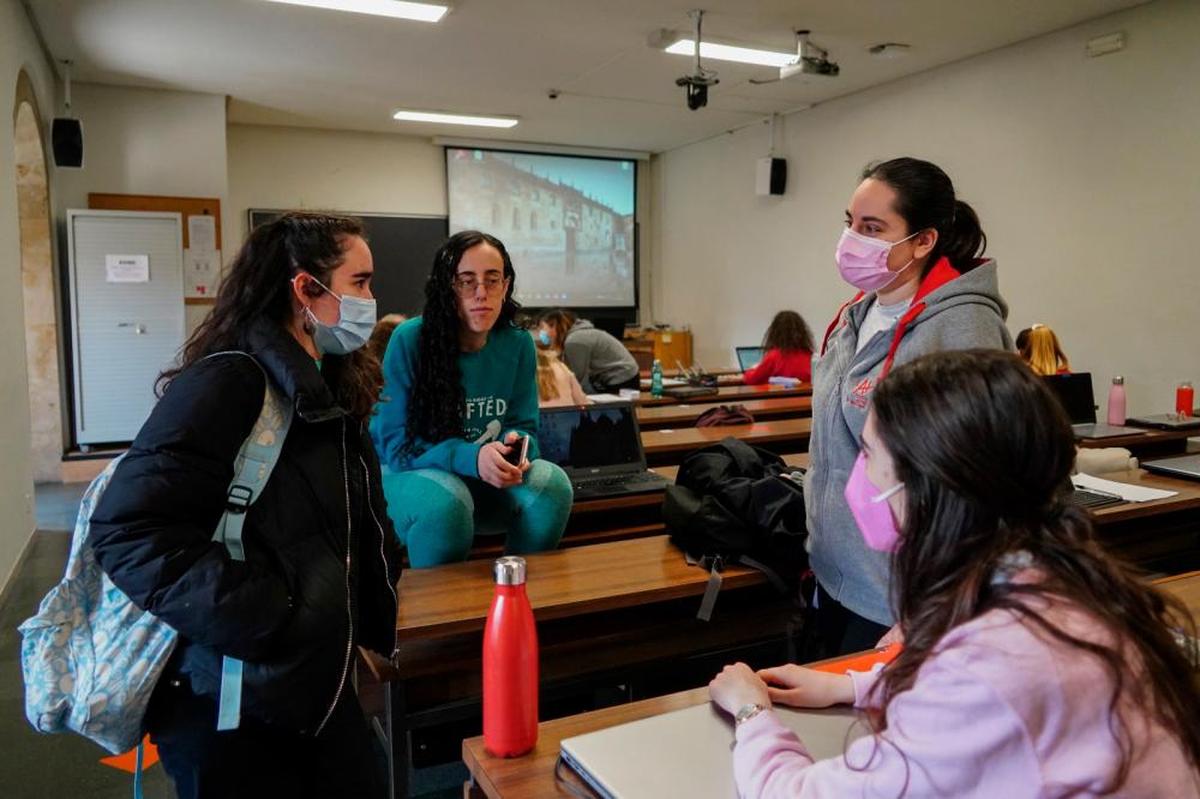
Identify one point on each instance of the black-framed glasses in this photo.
(467, 285)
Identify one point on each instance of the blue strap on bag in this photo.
(252, 470)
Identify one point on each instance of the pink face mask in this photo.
(871, 509)
(862, 260)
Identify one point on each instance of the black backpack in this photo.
(734, 503)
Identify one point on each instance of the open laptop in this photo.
(1168, 421)
(1186, 466)
(1074, 392)
(689, 752)
(600, 449)
(748, 357)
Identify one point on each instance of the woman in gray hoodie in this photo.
(912, 249)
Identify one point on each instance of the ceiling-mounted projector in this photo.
(810, 60)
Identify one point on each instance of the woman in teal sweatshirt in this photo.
(459, 389)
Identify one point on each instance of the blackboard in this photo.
(402, 248)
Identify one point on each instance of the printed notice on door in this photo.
(127, 268)
(200, 272)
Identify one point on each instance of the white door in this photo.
(127, 316)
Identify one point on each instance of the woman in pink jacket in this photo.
(1034, 665)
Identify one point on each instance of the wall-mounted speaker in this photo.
(66, 140)
(771, 176)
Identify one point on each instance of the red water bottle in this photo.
(510, 665)
(1185, 399)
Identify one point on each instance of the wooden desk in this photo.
(721, 371)
(1150, 444)
(669, 446)
(729, 394)
(454, 598)
(1187, 497)
(1136, 530)
(798, 459)
(722, 380)
(533, 775)
(685, 415)
(1185, 588)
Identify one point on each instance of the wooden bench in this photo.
(728, 394)
(685, 415)
(669, 446)
(455, 598)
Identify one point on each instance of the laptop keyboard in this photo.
(617, 481)
(1092, 499)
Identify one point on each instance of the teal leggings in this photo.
(437, 514)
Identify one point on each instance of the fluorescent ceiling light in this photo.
(454, 119)
(728, 52)
(400, 9)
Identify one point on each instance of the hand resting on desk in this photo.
(737, 685)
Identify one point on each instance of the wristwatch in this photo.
(747, 712)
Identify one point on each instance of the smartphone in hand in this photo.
(518, 451)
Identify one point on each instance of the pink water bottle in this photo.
(1116, 401)
(510, 665)
(1185, 399)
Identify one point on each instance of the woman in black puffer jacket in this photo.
(321, 559)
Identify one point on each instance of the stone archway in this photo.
(38, 287)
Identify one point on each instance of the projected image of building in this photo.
(568, 246)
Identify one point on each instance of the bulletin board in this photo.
(201, 263)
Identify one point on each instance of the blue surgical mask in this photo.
(544, 338)
(356, 320)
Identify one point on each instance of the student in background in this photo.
(460, 390)
(788, 347)
(1022, 339)
(382, 334)
(321, 560)
(911, 248)
(556, 383)
(600, 362)
(1043, 353)
(1034, 663)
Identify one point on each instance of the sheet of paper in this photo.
(201, 271)
(605, 398)
(1127, 492)
(127, 268)
(202, 233)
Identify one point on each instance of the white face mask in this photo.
(356, 320)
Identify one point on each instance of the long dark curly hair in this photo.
(259, 285)
(983, 450)
(438, 399)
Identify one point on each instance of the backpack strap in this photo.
(251, 471)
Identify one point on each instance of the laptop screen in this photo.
(1074, 391)
(749, 357)
(590, 437)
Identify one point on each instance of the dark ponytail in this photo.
(925, 199)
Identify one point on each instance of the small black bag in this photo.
(734, 503)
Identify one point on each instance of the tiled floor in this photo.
(34, 765)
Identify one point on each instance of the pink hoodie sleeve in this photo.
(950, 735)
